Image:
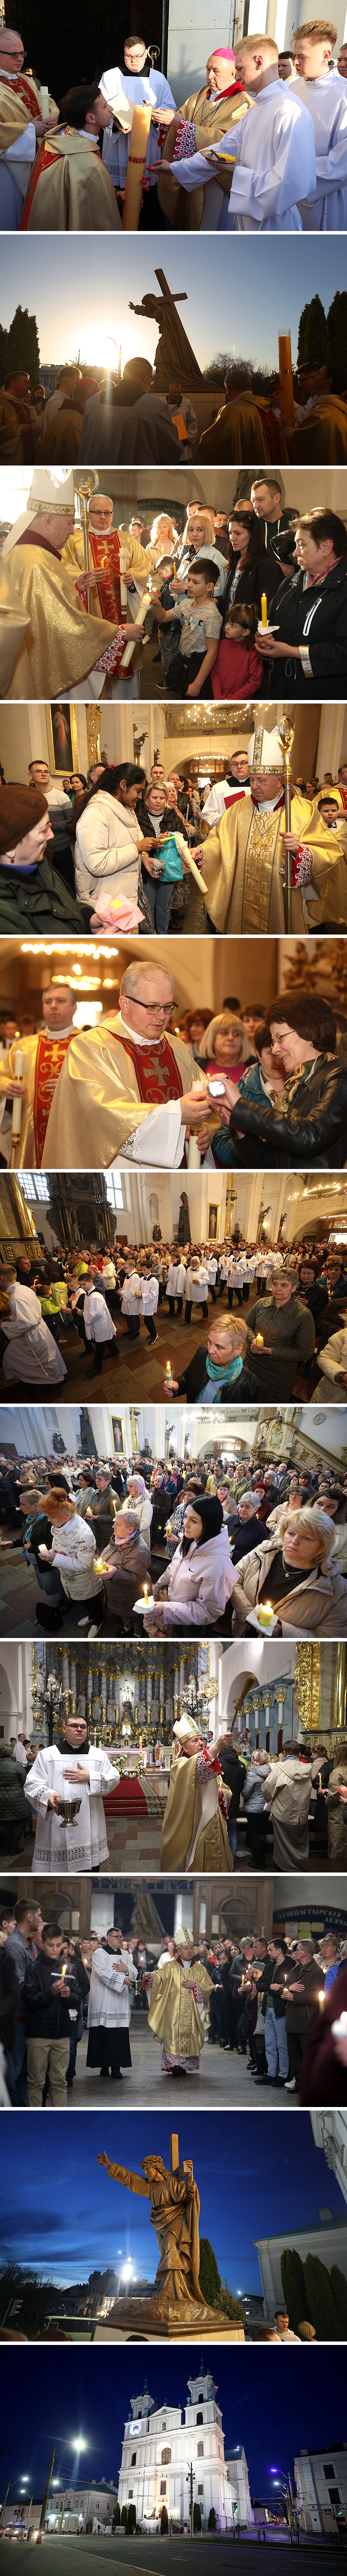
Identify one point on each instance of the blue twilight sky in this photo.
(274, 2408)
(256, 2173)
(239, 291)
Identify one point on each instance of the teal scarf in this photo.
(217, 1374)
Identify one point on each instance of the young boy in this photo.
(200, 620)
(238, 670)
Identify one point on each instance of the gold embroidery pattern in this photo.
(258, 874)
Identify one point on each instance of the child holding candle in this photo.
(238, 671)
(200, 621)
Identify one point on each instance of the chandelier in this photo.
(196, 1700)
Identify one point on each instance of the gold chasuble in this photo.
(61, 643)
(106, 1088)
(212, 118)
(14, 115)
(322, 438)
(194, 1834)
(70, 190)
(242, 863)
(236, 436)
(43, 1058)
(174, 2012)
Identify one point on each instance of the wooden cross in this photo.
(169, 298)
(174, 2152)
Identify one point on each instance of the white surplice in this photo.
(109, 2000)
(327, 103)
(81, 1846)
(32, 1353)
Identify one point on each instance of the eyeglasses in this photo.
(165, 1007)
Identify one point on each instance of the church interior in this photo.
(201, 738)
(94, 968)
(121, 1213)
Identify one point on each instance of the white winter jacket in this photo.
(107, 845)
(199, 1584)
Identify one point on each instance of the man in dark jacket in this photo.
(128, 1561)
(248, 1528)
(51, 2005)
(234, 1773)
(302, 2005)
(289, 1337)
(273, 1994)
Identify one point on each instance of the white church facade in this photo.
(160, 2445)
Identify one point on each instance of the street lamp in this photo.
(74, 2442)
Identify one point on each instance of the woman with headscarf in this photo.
(142, 1508)
(112, 1979)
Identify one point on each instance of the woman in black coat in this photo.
(307, 1122)
(308, 651)
(250, 569)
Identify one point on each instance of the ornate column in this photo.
(280, 1704)
(73, 1690)
(89, 1696)
(257, 1707)
(176, 1692)
(65, 1672)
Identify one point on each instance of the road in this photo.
(132, 2556)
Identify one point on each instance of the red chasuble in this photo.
(25, 89)
(49, 1059)
(104, 554)
(157, 1073)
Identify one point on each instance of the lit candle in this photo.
(136, 166)
(140, 1743)
(122, 572)
(339, 2028)
(145, 1594)
(321, 1996)
(286, 377)
(44, 100)
(168, 1372)
(320, 1780)
(263, 604)
(63, 1972)
(260, 1341)
(138, 621)
(265, 1614)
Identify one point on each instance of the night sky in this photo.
(89, 2393)
(256, 2173)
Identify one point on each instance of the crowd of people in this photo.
(260, 145)
(270, 2002)
(292, 1338)
(202, 587)
(197, 1546)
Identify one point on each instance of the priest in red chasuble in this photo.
(127, 1089)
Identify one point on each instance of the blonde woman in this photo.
(225, 1045)
(164, 537)
(294, 1569)
(199, 540)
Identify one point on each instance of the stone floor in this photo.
(222, 2084)
(142, 1362)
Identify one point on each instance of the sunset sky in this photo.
(82, 301)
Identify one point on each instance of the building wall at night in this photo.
(321, 2483)
(330, 2132)
(159, 2445)
(328, 2240)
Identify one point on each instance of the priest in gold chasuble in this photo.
(180, 1993)
(244, 860)
(195, 1834)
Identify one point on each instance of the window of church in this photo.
(133, 2460)
(131, 2492)
(199, 2419)
(163, 2486)
(200, 2491)
(166, 2455)
(200, 2450)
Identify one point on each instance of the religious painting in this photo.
(62, 739)
(118, 1435)
(213, 1220)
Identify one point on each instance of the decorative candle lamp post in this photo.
(48, 1696)
(280, 1698)
(257, 1707)
(268, 1698)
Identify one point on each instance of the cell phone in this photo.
(216, 1088)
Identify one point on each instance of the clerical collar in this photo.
(270, 803)
(54, 1035)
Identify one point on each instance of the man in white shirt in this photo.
(284, 2331)
(211, 1267)
(133, 86)
(149, 1302)
(319, 85)
(196, 1289)
(229, 790)
(131, 1303)
(272, 147)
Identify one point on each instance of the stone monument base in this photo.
(185, 2322)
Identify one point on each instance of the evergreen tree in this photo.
(322, 2310)
(115, 2515)
(339, 2290)
(196, 2517)
(131, 2517)
(211, 2526)
(20, 345)
(231, 2307)
(313, 335)
(164, 2521)
(337, 330)
(123, 2515)
(209, 2276)
(294, 2287)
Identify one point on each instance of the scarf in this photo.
(216, 1378)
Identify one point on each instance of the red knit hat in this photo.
(20, 809)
